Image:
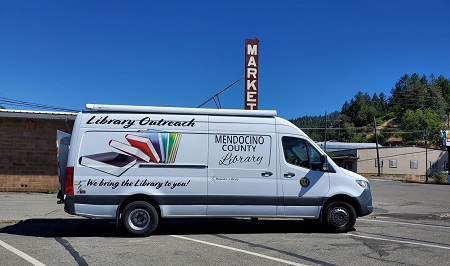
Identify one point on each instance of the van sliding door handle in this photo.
(289, 175)
(266, 174)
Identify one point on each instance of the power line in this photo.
(360, 130)
(216, 96)
(19, 103)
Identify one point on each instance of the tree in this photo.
(443, 85)
(349, 133)
(414, 92)
(419, 120)
(417, 102)
(362, 108)
(314, 126)
(382, 104)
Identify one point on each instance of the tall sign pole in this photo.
(251, 74)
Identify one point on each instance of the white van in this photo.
(137, 164)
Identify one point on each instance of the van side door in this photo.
(242, 179)
(303, 182)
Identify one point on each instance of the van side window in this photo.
(315, 158)
(298, 152)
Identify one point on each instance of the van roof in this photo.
(179, 110)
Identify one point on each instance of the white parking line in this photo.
(240, 250)
(21, 254)
(399, 241)
(404, 223)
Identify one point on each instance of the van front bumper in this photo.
(365, 203)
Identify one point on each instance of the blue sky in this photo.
(313, 55)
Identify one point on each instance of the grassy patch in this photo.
(440, 178)
(414, 179)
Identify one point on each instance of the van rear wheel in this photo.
(339, 217)
(140, 218)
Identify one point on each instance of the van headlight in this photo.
(364, 184)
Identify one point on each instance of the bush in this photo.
(359, 138)
(388, 116)
(380, 121)
(440, 178)
(413, 179)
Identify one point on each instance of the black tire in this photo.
(339, 217)
(140, 218)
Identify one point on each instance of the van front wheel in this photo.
(140, 218)
(339, 217)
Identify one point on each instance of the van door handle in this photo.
(289, 175)
(266, 174)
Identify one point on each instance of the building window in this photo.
(413, 164)
(433, 165)
(445, 165)
(392, 163)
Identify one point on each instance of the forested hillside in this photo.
(416, 109)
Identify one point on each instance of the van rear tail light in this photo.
(69, 181)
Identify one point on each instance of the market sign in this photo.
(251, 74)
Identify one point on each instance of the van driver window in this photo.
(315, 158)
(298, 152)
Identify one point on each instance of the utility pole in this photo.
(376, 141)
(426, 155)
(448, 157)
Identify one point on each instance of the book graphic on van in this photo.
(159, 147)
(155, 148)
(112, 163)
(143, 145)
(130, 150)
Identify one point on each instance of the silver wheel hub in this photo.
(139, 219)
(339, 216)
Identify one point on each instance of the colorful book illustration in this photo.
(109, 162)
(145, 145)
(164, 137)
(161, 147)
(130, 150)
(174, 143)
(166, 145)
(154, 138)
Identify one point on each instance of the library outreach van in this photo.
(138, 164)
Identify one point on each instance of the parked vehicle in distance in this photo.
(138, 164)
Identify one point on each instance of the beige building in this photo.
(393, 160)
(28, 149)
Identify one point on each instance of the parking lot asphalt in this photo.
(16, 206)
(410, 225)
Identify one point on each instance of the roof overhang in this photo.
(37, 114)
